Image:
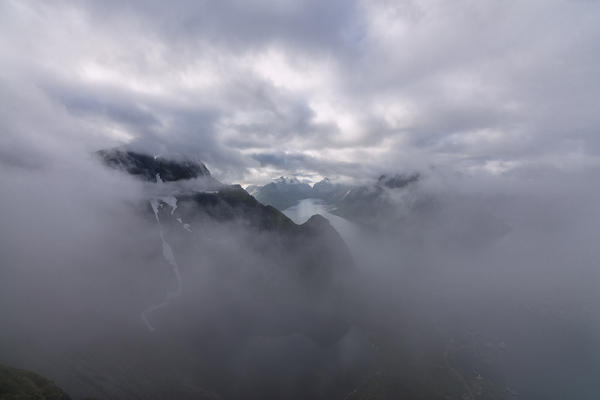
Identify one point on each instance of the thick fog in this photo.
(506, 265)
(91, 300)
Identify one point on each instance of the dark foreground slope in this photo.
(19, 384)
(196, 291)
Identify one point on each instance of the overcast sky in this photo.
(345, 89)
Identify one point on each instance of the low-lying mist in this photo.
(503, 272)
(480, 286)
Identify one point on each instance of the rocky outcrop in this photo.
(148, 167)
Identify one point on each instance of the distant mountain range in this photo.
(355, 202)
(282, 192)
(285, 192)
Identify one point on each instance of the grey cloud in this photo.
(476, 81)
(281, 160)
(305, 165)
(312, 24)
(110, 103)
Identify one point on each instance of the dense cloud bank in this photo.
(339, 89)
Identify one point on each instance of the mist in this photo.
(473, 275)
(497, 273)
(89, 298)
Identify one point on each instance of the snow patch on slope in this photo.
(168, 255)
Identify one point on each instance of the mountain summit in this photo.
(147, 167)
(282, 193)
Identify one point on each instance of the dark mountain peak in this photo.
(324, 181)
(148, 167)
(283, 192)
(317, 220)
(325, 185)
(398, 180)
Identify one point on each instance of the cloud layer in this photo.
(337, 88)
